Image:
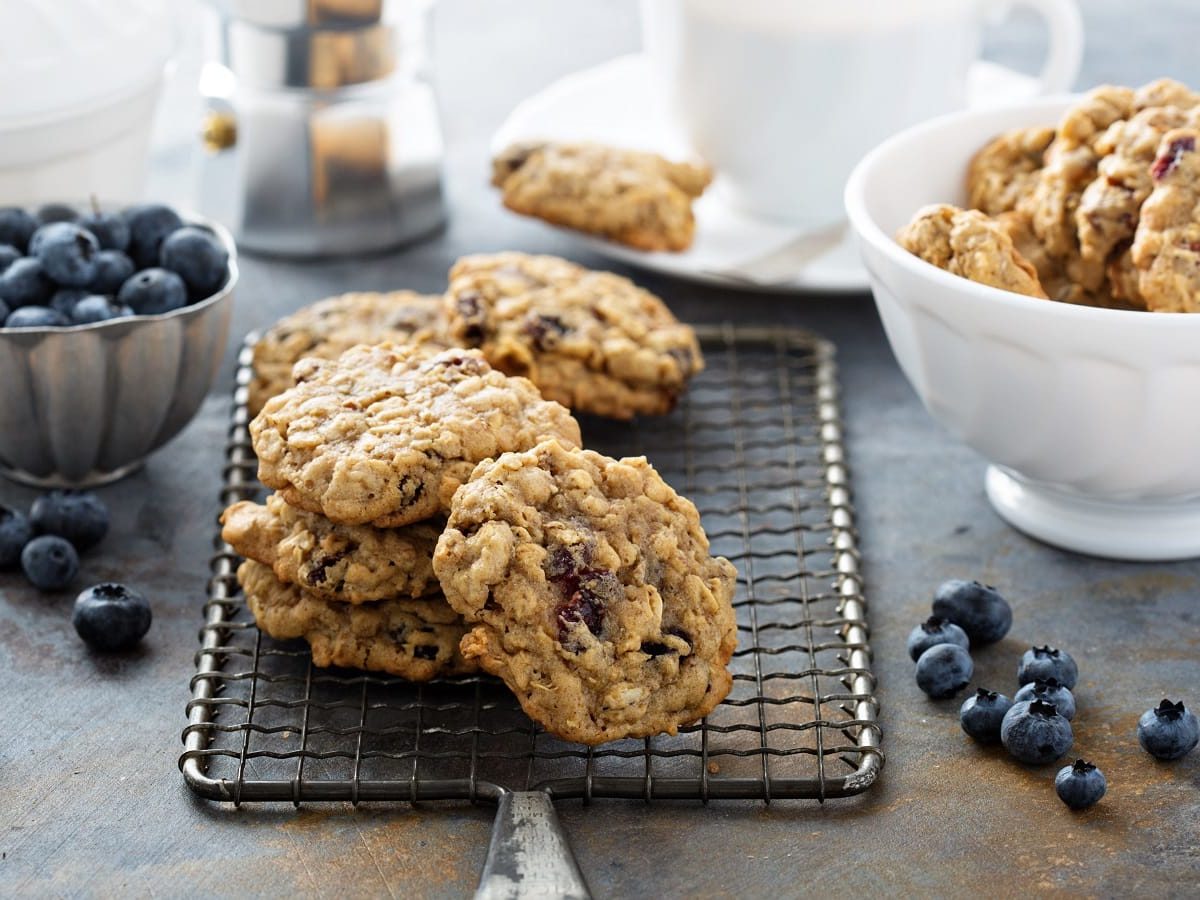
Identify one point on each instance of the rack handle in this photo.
(529, 856)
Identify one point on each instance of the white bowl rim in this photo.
(183, 312)
(869, 230)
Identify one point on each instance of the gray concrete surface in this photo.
(91, 802)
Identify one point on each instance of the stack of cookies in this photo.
(433, 514)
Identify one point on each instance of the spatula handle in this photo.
(529, 856)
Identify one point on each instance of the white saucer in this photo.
(612, 103)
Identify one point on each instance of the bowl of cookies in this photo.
(1035, 268)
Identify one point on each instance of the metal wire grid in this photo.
(757, 445)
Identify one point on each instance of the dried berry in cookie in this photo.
(1166, 250)
(590, 590)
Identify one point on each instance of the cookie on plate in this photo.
(328, 328)
(350, 563)
(593, 341)
(589, 589)
(969, 244)
(1166, 250)
(635, 198)
(415, 639)
(385, 434)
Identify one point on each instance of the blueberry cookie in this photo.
(330, 327)
(415, 639)
(593, 341)
(588, 588)
(385, 434)
(634, 198)
(969, 244)
(350, 563)
(1166, 250)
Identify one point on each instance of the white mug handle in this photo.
(1064, 22)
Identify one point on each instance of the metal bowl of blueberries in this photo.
(114, 326)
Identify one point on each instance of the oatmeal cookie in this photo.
(385, 434)
(1051, 272)
(349, 563)
(1166, 249)
(589, 588)
(1007, 169)
(415, 639)
(969, 244)
(593, 341)
(328, 328)
(634, 198)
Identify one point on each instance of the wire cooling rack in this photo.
(756, 443)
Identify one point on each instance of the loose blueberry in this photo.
(1048, 663)
(977, 609)
(943, 670)
(198, 258)
(1080, 785)
(64, 300)
(1034, 733)
(56, 212)
(153, 291)
(110, 229)
(1169, 731)
(149, 225)
(935, 631)
(68, 253)
(113, 269)
(111, 617)
(16, 227)
(15, 532)
(49, 562)
(24, 283)
(982, 714)
(1049, 692)
(36, 317)
(95, 308)
(8, 255)
(78, 516)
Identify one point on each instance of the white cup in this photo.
(783, 97)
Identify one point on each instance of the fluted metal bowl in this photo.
(85, 405)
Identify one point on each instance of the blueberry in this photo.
(199, 258)
(149, 225)
(1080, 785)
(111, 617)
(110, 229)
(24, 283)
(15, 532)
(153, 291)
(78, 516)
(113, 269)
(1034, 732)
(982, 713)
(16, 227)
(8, 255)
(977, 609)
(68, 253)
(36, 317)
(1169, 731)
(49, 562)
(935, 631)
(1049, 691)
(64, 300)
(56, 212)
(943, 670)
(96, 308)
(1046, 663)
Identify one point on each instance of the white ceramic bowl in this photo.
(1089, 417)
